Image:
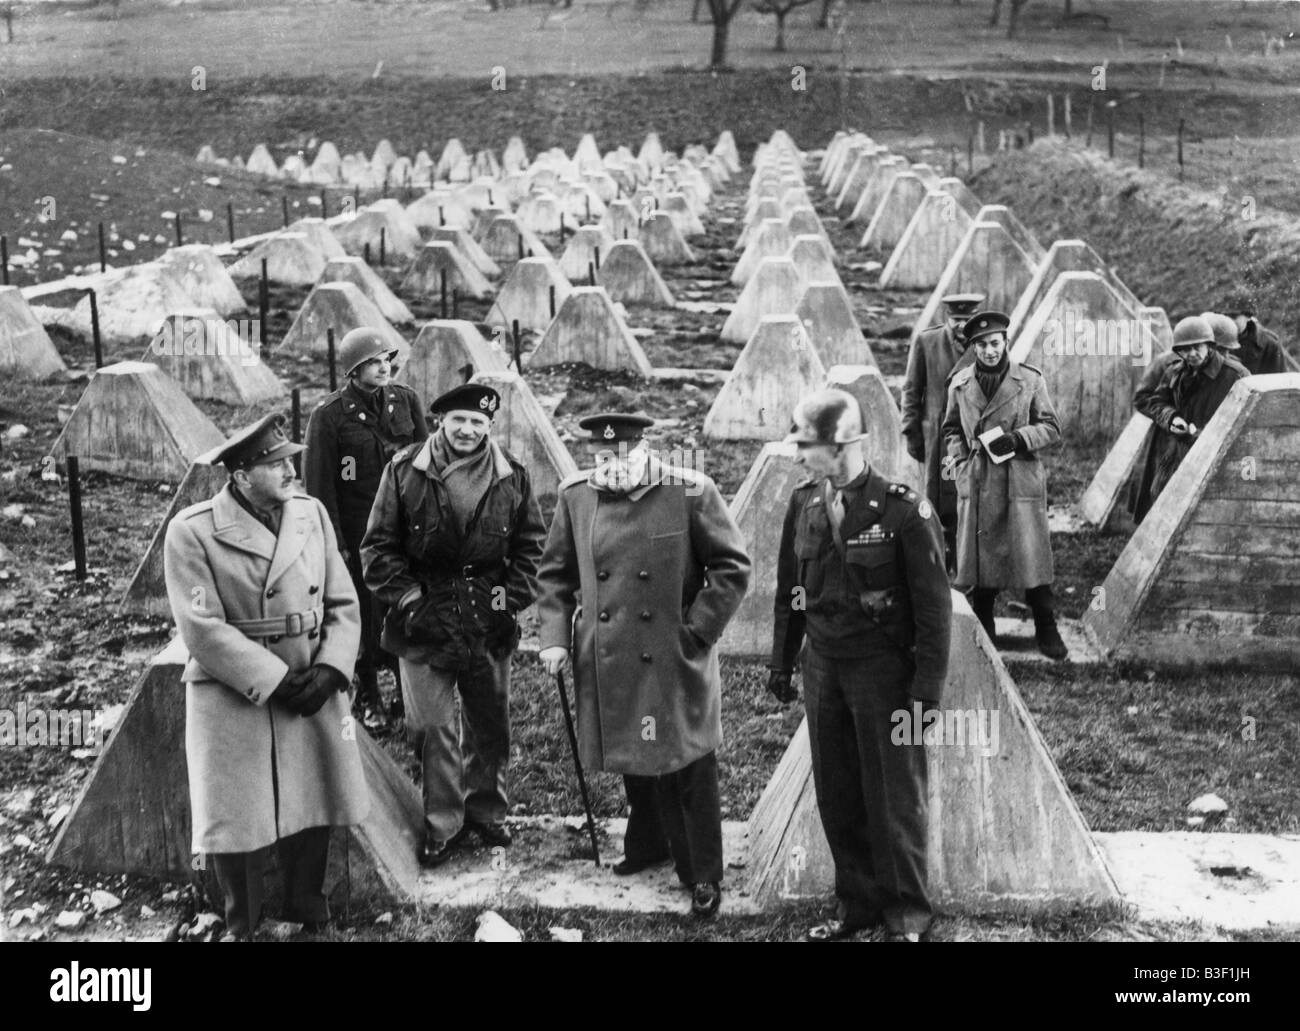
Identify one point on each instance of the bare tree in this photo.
(1013, 15)
(824, 19)
(695, 10)
(721, 11)
(779, 8)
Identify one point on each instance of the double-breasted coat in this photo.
(640, 587)
(257, 770)
(1002, 534)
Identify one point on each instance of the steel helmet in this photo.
(1192, 330)
(827, 416)
(1224, 330)
(360, 345)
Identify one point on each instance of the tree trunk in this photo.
(824, 19)
(780, 31)
(718, 58)
(695, 11)
(1013, 16)
(997, 9)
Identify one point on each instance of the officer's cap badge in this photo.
(609, 432)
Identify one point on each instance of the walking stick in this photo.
(577, 763)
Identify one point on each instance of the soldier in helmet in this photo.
(1261, 349)
(452, 548)
(861, 573)
(654, 557)
(999, 417)
(1190, 391)
(936, 353)
(350, 437)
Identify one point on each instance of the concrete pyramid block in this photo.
(522, 428)
(846, 167)
(503, 238)
(1102, 504)
(439, 209)
(1003, 215)
(1064, 256)
(260, 161)
(1211, 574)
(926, 174)
(385, 154)
(725, 148)
(515, 156)
(469, 248)
(319, 235)
(864, 166)
(540, 213)
(355, 271)
(1005, 833)
(651, 153)
(291, 259)
(133, 814)
(401, 237)
(927, 244)
(680, 211)
(881, 421)
(804, 222)
(201, 275)
(340, 307)
(532, 294)
(147, 591)
(132, 303)
(770, 240)
(211, 361)
(813, 258)
(485, 163)
(587, 153)
(134, 420)
(987, 261)
(1087, 342)
(827, 316)
(437, 260)
(877, 186)
(454, 163)
(589, 329)
(620, 220)
(630, 277)
(484, 218)
(662, 241)
(897, 206)
(759, 511)
(777, 367)
(758, 211)
(586, 249)
(445, 354)
(830, 156)
(774, 289)
(26, 350)
(968, 201)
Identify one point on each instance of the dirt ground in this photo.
(1134, 744)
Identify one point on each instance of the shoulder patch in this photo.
(903, 491)
(924, 509)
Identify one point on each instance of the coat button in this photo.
(604, 617)
(603, 575)
(312, 589)
(643, 575)
(313, 635)
(646, 615)
(645, 656)
(275, 639)
(271, 593)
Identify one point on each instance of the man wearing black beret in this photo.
(452, 547)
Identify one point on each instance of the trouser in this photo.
(871, 793)
(463, 760)
(302, 856)
(371, 658)
(677, 814)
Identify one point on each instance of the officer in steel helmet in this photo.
(861, 575)
(350, 437)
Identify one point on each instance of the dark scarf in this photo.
(270, 518)
(990, 379)
(466, 478)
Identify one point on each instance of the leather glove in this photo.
(319, 683)
(288, 690)
(1003, 445)
(780, 686)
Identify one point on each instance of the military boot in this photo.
(982, 600)
(1045, 632)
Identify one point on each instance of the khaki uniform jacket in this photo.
(935, 355)
(640, 588)
(258, 771)
(1002, 534)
